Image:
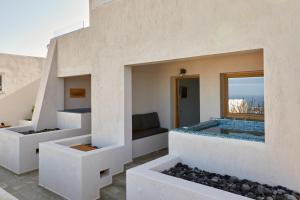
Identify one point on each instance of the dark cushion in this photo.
(145, 121)
(150, 120)
(148, 132)
(137, 124)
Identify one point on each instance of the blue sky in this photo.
(253, 86)
(26, 26)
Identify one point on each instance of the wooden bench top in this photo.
(85, 148)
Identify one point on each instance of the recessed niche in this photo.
(104, 173)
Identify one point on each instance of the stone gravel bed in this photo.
(232, 184)
(41, 131)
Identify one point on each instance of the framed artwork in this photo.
(77, 93)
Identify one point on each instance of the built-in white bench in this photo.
(147, 134)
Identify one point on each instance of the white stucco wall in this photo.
(94, 4)
(145, 90)
(128, 32)
(21, 81)
(81, 82)
(19, 105)
(50, 96)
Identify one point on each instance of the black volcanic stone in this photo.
(232, 184)
(41, 131)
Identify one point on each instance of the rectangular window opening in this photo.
(242, 95)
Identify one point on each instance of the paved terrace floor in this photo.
(25, 187)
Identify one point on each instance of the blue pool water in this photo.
(227, 128)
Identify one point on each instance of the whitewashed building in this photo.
(136, 58)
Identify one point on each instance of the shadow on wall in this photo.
(18, 105)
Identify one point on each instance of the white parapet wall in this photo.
(147, 182)
(67, 120)
(20, 153)
(234, 157)
(78, 175)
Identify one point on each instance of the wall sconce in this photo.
(182, 72)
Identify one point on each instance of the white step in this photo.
(6, 196)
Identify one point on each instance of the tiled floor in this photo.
(25, 187)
